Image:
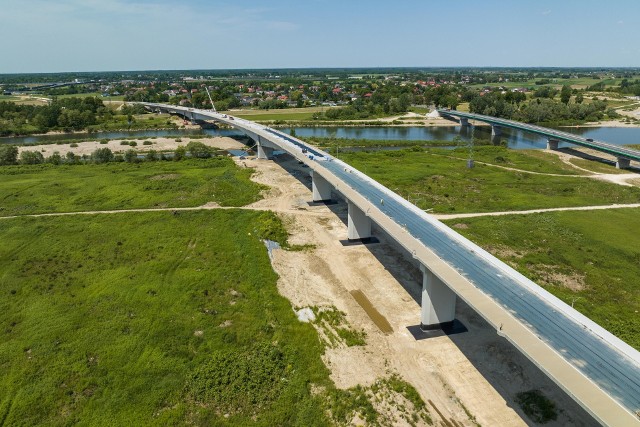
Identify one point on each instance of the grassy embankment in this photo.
(159, 318)
(434, 180)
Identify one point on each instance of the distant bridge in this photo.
(623, 155)
(598, 370)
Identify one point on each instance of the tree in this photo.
(71, 157)
(565, 94)
(199, 150)
(8, 155)
(151, 156)
(579, 98)
(31, 158)
(180, 153)
(55, 158)
(102, 155)
(130, 156)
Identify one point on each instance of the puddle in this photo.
(380, 321)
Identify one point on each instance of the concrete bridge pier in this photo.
(622, 163)
(464, 121)
(438, 302)
(552, 144)
(359, 226)
(264, 153)
(320, 187)
(496, 130)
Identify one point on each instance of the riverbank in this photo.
(118, 146)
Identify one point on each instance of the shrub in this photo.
(8, 155)
(130, 156)
(152, 156)
(133, 144)
(180, 153)
(31, 158)
(199, 150)
(124, 142)
(104, 141)
(537, 406)
(73, 145)
(102, 155)
(147, 143)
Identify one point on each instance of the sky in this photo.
(119, 35)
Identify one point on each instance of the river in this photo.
(514, 138)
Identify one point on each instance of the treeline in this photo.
(65, 114)
(539, 110)
(10, 155)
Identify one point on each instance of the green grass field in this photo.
(71, 188)
(432, 180)
(588, 259)
(151, 319)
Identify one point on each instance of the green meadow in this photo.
(85, 187)
(439, 180)
(589, 259)
(151, 319)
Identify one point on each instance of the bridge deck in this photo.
(615, 150)
(604, 363)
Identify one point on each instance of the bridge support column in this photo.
(359, 227)
(552, 144)
(622, 163)
(438, 302)
(321, 188)
(464, 121)
(496, 130)
(264, 153)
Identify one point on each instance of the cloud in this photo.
(621, 22)
(546, 12)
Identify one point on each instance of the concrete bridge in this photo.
(598, 370)
(623, 155)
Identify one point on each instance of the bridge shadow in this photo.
(507, 370)
(588, 156)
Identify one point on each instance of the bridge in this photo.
(598, 370)
(623, 155)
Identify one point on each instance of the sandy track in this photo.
(476, 373)
(532, 211)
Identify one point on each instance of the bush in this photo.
(199, 150)
(55, 158)
(73, 145)
(133, 144)
(147, 143)
(102, 155)
(180, 153)
(104, 141)
(130, 156)
(124, 143)
(152, 156)
(8, 155)
(31, 158)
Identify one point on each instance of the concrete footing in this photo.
(359, 226)
(622, 163)
(438, 302)
(496, 130)
(552, 144)
(321, 188)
